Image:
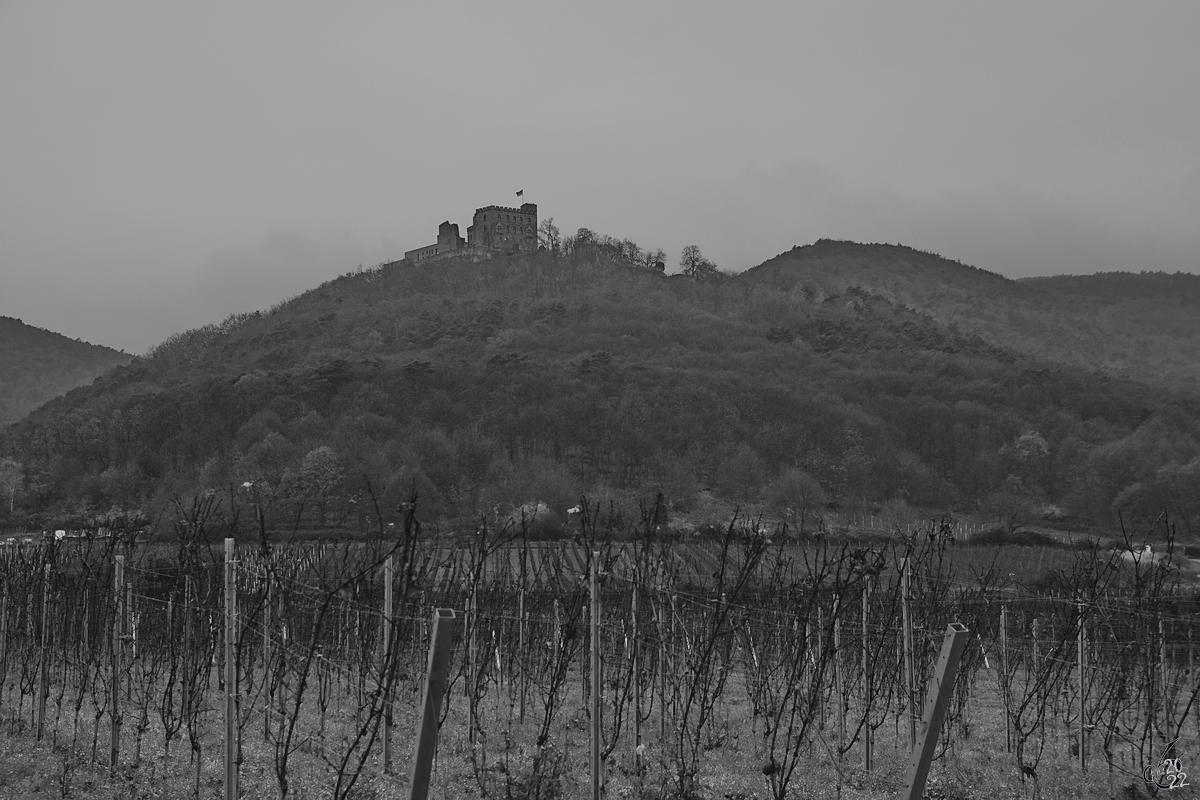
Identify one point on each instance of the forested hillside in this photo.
(37, 364)
(1144, 326)
(1158, 314)
(528, 380)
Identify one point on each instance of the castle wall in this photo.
(422, 253)
(448, 241)
(469, 253)
(493, 228)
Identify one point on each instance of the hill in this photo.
(525, 380)
(1154, 315)
(1145, 326)
(37, 365)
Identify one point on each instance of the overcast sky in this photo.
(163, 165)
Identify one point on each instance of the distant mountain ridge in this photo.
(37, 365)
(1143, 326)
(1180, 288)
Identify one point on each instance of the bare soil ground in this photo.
(975, 766)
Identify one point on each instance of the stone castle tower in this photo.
(503, 228)
(492, 228)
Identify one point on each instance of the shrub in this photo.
(995, 536)
(1052, 512)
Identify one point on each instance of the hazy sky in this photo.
(163, 165)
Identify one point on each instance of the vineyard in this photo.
(743, 665)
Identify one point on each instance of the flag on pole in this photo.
(521, 193)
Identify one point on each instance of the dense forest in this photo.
(36, 365)
(818, 380)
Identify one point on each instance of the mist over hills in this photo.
(37, 364)
(857, 376)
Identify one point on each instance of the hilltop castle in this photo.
(492, 228)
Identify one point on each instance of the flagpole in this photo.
(521, 195)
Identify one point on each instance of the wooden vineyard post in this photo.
(231, 772)
(1035, 628)
(4, 639)
(521, 631)
(44, 653)
(472, 675)
(498, 652)
(1162, 670)
(518, 662)
(637, 680)
(1004, 677)
(29, 614)
(184, 695)
(424, 624)
(595, 658)
(583, 684)
(673, 654)
(557, 627)
(266, 655)
(821, 652)
(558, 641)
(431, 701)
(868, 733)
(839, 678)
(910, 692)
(85, 637)
(662, 669)
(130, 632)
(900, 708)
(115, 700)
(389, 569)
(346, 637)
(935, 709)
(839, 681)
(1082, 689)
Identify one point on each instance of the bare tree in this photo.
(12, 475)
(654, 259)
(694, 265)
(795, 495)
(549, 236)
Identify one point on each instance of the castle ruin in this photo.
(492, 228)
